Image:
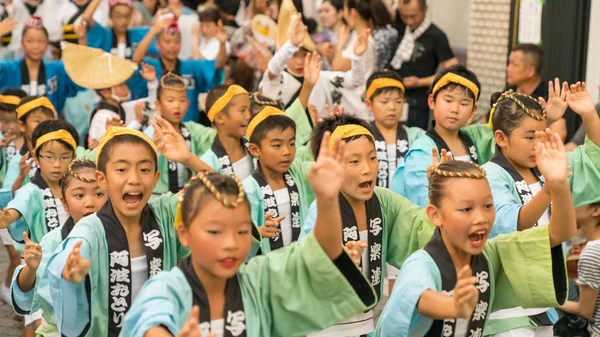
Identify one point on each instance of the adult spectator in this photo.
(524, 70)
(421, 51)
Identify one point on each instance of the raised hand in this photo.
(169, 142)
(362, 43)
(465, 294)
(221, 32)
(113, 121)
(25, 164)
(262, 56)
(314, 113)
(76, 267)
(551, 157)
(327, 174)
(81, 32)
(92, 143)
(6, 139)
(557, 99)
(162, 24)
(312, 68)
(343, 34)
(32, 253)
(7, 25)
(148, 72)
(269, 229)
(437, 160)
(579, 99)
(297, 30)
(139, 112)
(336, 112)
(190, 328)
(355, 250)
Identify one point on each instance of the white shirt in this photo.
(370, 55)
(68, 9)
(139, 274)
(210, 48)
(463, 158)
(283, 206)
(545, 218)
(391, 159)
(243, 168)
(63, 215)
(33, 88)
(122, 50)
(217, 327)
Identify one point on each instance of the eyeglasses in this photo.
(53, 159)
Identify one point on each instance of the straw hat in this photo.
(286, 12)
(93, 68)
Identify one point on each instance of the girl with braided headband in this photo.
(449, 287)
(82, 196)
(217, 293)
(523, 188)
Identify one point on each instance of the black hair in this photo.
(372, 10)
(42, 28)
(534, 55)
(214, 94)
(278, 123)
(170, 81)
(384, 73)
(46, 111)
(11, 92)
(76, 166)
(123, 139)
(422, 3)
(437, 181)
(51, 126)
(330, 124)
(508, 115)
(258, 102)
(337, 4)
(209, 15)
(310, 23)
(197, 192)
(462, 71)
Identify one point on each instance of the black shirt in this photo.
(431, 49)
(540, 91)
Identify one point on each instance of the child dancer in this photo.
(128, 239)
(200, 75)
(30, 290)
(36, 208)
(449, 287)
(385, 100)
(453, 99)
(392, 226)
(172, 102)
(232, 299)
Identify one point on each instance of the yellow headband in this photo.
(36, 103)
(453, 78)
(384, 82)
(265, 113)
(115, 131)
(222, 102)
(12, 100)
(347, 131)
(63, 135)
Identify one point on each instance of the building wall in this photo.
(592, 77)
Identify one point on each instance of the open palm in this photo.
(327, 174)
(556, 104)
(551, 157)
(579, 99)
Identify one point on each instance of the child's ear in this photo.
(65, 206)
(433, 213)
(500, 138)
(431, 101)
(101, 179)
(596, 210)
(157, 105)
(369, 104)
(157, 176)
(254, 150)
(183, 233)
(219, 120)
(21, 126)
(34, 157)
(473, 114)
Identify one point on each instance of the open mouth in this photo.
(477, 238)
(228, 262)
(366, 185)
(132, 198)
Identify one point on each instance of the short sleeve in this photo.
(589, 266)
(443, 52)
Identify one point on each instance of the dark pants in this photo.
(418, 116)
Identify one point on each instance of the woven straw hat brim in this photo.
(93, 68)
(286, 12)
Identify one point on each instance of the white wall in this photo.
(592, 77)
(452, 16)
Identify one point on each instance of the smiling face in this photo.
(387, 107)
(173, 105)
(219, 238)
(80, 198)
(361, 169)
(452, 109)
(465, 214)
(235, 120)
(277, 150)
(129, 178)
(519, 146)
(54, 159)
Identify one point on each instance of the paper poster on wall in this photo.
(530, 21)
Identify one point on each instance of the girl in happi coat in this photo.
(126, 242)
(452, 285)
(215, 292)
(391, 225)
(284, 76)
(521, 196)
(12, 137)
(30, 289)
(34, 75)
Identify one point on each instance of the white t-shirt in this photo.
(370, 55)
(122, 50)
(243, 168)
(545, 218)
(463, 158)
(217, 327)
(283, 206)
(63, 215)
(391, 159)
(139, 274)
(210, 48)
(33, 88)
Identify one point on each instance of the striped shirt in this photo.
(589, 274)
